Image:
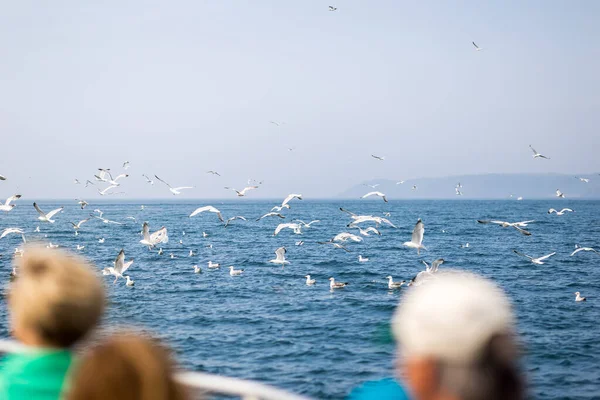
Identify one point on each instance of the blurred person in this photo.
(456, 340)
(55, 301)
(126, 366)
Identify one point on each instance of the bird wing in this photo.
(523, 231)
(566, 209)
(435, 264)
(370, 194)
(146, 232)
(83, 221)
(522, 255)
(417, 234)
(121, 176)
(290, 197)
(156, 176)
(12, 198)
(54, 212)
(348, 212)
(119, 261)
(280, 253)
(283, 226)
(475, 45)
(532, 149)
(244, 190)
(160, 236)
(126, 266)
(546, 256)
(39, 210)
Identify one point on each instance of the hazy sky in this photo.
(178, 88)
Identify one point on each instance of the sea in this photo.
(268, 325)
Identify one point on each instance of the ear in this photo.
(421, 375)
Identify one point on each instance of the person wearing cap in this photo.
(456, 340)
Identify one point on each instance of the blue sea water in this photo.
(269, 326)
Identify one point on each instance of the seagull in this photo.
(275, 123)
(365, 232)
(51, 246)
(197, 269)
(560, 194)
(106, 221)
(433, 268)
(119, 266)
(295, 227)
(359, 219)
(242, 193)
(271, 214)
(78, 225)
(207, 208)
(278, 208)
(289, 198)
(299, 243)
(235, 272)
(538, 261)
(307, 225)
(584, 180)
(7, 206)
(280, 257)
(88, 183)
(523, 224)
(422, 276)
(8, 231)
(230, 220)
(578, 297)
(362, 259)
(336, 285)
(80, 247)
(76, 181)
(392, 284)
(151, 240)
(477, 48)
(173, 190)
(82, 203)
(129, 281)
(332, 8)
(579, 248)
(400, 182)
(414, 187)
(465, 246)
(505, 224)
(345, 236)
(519, 198)
(372, 186)
(537, 155)
(213, 265)
(99, 211)
(417, 237)
(191, 254)
(204, 234)
(2, 178)
(126, 165)
(101, 240)
(148, 180)
(213, 172)
(47, 217)
(160, 251)
(378, 194)
(309, 282)
(378, 157)
(458, 192)
(37, 229)
(102, 175)
(561, 212)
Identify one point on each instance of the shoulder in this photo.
(385, 389)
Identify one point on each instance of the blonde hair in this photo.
(57, 295)
(126, 366)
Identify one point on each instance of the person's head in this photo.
(456, 340)
(56, 299)
(126, 366)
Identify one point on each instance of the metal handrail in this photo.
(200, 382)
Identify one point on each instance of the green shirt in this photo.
(34, 375)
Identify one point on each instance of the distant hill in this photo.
(489, 186)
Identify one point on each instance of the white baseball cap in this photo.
(451, 317)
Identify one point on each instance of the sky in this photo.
(179, 88)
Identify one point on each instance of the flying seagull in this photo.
(280, 257)
(538, 261)
(7, 206)
(271, 214)
(106, 221)
(213, 172)
(561, 212)
(332, 8)
(119, 266)
(378, 194)
(416, 241)
(126, 165)
(47, 217)
(173, 190)
(380, 158)
(105, 191)
(584, 180)
(151, 240)
(560, 194)
(2, 178)
(209, 209)
(230, 220)
(242, 193)
(505, 224)
(477, 48)
(148, 180)
(82, 203)
(295, 227)
(579, 248)
(289, 198)
(537, 155)
(77, 226)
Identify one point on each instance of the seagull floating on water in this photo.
(235, 272)
(392, 284)
(538, 261)
(336, 285)
(212, 265)
(416, 241)
(129, 281)
(309, 282)
(362, 259)
(578, 297)
(197, 269)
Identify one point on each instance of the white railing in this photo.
(199, 383)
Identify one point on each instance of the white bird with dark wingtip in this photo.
(77, 226)
(212, 265)
(392, 284)
(537, 155)
(537, 261)
(209, 209)
(378, 194)
(114, 182)
(235, 272)
(579, 248)
(7, 206)
(126, 165)
(104, 192)
(213, 173)
(309, 282)
(47, 217)
(584, 180)
(242, 193)
(148, 180)
(129, 281)
(175, 191)
(119, 267)
(380, 158)
(414, 187)
(151, 240)
(477, 48)
(9, 231)
(2, 178)
(271, 214)
(331, 8)
(345, 236)
(297, 228)
(365, 232)
(105, 220)
(336, 285)
(307, 225)
(560, 194)
(82, 204)
(505, 224)
(230, 220)
(561, 212)
(578, 297)
(362, 259)
(279, 208)
(289, 198)
(280, 257)
(416, 241)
